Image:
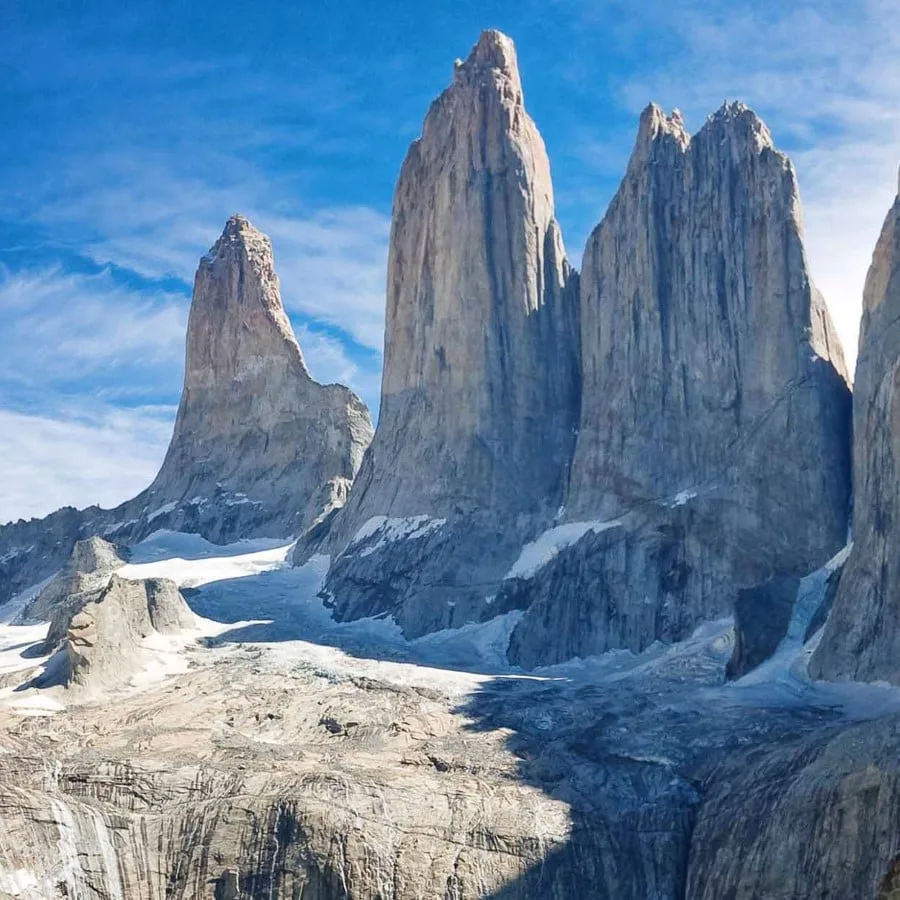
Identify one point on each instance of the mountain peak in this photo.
(493, 53)
(239, 224)
(240, 233)
(654, 123)
(739, 120)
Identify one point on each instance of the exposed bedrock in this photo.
(862, 637)
(715, 415)
(480, 386)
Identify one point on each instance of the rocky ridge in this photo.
(695, 327)
(715, 423)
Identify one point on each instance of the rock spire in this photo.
(715, 409)
(480, 385)
(258, 446)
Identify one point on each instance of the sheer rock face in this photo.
(862, 636)
(259, 447)
(712, 380)
(708, 355)
(480, 386)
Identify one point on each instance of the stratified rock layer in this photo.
(862, 636)
(715, 415)
(480, 386)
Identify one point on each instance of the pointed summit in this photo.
(656, 132)
(494, 54)
(254, 432)
(237, 318)
(479, 391)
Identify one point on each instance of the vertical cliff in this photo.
(715, 408)
(480, 387)
(862, 636)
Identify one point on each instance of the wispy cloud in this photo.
(826, 77)
(63, 328)
(146, 217)
(329, 363)
(78, 457)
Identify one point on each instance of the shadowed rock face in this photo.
(259, 448)
(480, 386)
(762, 615)
(862, 637)
(712, 381)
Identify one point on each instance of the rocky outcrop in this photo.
(715, 408)
(104, 638)
(480, 386)
(862, 637)
(82, 580)
(810, 818)
(762, 615)
(256, 772)
(259, 447)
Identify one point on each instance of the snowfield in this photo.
(247, 597)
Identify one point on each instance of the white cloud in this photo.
(826, 78)
(78, 457)
(58, 327)
(146, 217)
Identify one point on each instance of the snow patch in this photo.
(19, 883)
(391, 529)
(681, 498)
(536, 554)
(196, 572)
(163, 510)
(36, 705)
(119, 526)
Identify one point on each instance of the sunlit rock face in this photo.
(715, 413)
(862, 638)
(480, 387)
(259, 447)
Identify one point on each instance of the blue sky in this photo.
(132, 131)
